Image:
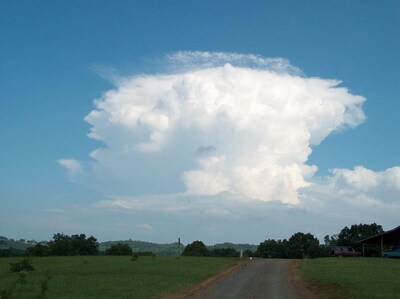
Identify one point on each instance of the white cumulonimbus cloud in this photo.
(216, 122)
(366, 185)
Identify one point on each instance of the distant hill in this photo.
(12, 246)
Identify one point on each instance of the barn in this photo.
(385, 240)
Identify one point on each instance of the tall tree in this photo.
(65, 245)
(196, 248)
(303, 245)
(351, 236)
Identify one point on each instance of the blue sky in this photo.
(57, 57)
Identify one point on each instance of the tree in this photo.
(224, 252)
(273, 249)
(303, 245)
(65, 245)
(83, 246)
(330, 241)
(196, 248)
(267, 249)
(39, 250)
(119, 249)
(248, 253)
(61, 245)
(351, 236)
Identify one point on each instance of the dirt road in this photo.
(259, 278)
(264, 278)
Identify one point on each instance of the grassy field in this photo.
(354, 277)
(107, 277)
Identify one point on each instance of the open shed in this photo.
(384, 240)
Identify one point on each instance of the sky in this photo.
(220, 121)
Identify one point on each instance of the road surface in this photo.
(255, 279)
(259, 278)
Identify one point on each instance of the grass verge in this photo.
(108, 277)
(353, 277)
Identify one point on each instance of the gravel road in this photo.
(260, 278)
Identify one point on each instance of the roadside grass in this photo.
(353, 277)
(107, 277)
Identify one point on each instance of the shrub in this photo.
(24, 265)
(119, 249)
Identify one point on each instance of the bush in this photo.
(119, 249)
(39, 250)
(24, 265)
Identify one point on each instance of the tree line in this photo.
(64, 245)
(299, 245)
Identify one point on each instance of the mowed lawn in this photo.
(109, 277)
(354, 277)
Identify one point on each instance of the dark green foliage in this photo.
(64, 245)
(11, 252)
(272, 249)
(5, 253)
(61, 245)
(167, 249)
(39, 250)
(351, 236)
(119, 249)
(24, 265)
(248, 253)
(299, 245)
(224, 252)
(196, 248)
(237, 247)
(304, 245)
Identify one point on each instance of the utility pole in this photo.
(179, 246)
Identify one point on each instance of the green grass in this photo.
(109, 277)
(354, 277)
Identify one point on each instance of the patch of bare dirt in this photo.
(304, 289)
